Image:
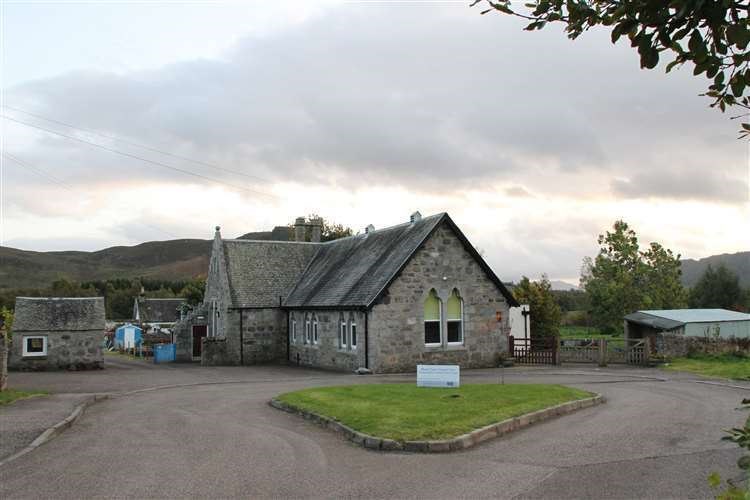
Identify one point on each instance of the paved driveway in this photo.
(658, 436)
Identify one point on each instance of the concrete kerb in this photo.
(56, 429)
(462, 442)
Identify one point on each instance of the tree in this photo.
(194, 291)
(545, 313)
(717, 288)
(711, 35)
(623, 279)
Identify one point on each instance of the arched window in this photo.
(315, 329)
(455, 318)
(432, 319)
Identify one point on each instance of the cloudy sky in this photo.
(252, 114)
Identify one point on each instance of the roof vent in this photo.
(415, 217)
(370, 228)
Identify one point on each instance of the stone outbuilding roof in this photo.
(344, 273)
(158, 310)
(40, 314)
(261, 273)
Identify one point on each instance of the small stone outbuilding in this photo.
(57, 333)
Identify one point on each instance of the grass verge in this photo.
(714, 365)
(405, 412)
(9, 395)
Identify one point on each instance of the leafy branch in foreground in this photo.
(712, 35)
(734, 490)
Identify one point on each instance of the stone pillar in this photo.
(299, 229)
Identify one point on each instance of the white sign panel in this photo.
(438, 375)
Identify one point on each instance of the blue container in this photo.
(164, 353)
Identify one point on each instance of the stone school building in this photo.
(385, 300)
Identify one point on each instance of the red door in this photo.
(198, 333)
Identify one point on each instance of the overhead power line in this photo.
(136, 144)
(51, 178)
(136, 157)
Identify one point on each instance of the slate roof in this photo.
(683, 316)
(40, 314)
(260, 272)
(159, 310)
(354, 271)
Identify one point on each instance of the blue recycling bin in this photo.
(164, 353)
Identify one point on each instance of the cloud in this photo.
(678, 184)
(433, 100)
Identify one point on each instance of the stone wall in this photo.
(216, 352)
(263, 336)
(396, 324)
(71, 350)
(328, 353)
(672, 345)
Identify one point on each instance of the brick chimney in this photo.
(317, 229)
(299, 229)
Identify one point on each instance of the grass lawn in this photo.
(9, 395)
(717, 365)
(406, 412)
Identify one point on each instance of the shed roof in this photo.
(698, 315)
(354, 271)
(159, 310)
(39, 314)
(260, 273)
(657, 322)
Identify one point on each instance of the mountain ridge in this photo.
(186, 258)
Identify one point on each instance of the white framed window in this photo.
(294, 330)
(307, 330)
(353, 333)
(433, 319)
(455, 318)
(315, 330)
(34, 345)
(342, 335)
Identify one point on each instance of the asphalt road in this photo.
(658, 436)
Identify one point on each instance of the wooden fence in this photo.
(534, 351)
(603, 351)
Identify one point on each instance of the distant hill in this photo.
(170, 260)
(562, 285)
(738, 263)
(279, 233)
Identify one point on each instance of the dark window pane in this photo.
(354, 335)
(34, 345)
(431, 332)
(454, 331)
